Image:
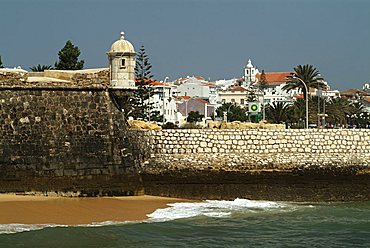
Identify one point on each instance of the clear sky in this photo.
(212, 38)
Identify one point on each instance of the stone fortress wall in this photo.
(63, 135)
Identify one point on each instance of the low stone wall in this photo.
(308, 141)
(297, 165)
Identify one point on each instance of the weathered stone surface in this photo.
(61, 140)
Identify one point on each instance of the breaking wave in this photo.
(217, 209)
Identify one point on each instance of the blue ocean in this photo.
(238, 223)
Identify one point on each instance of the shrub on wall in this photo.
(169, 125)
(191, 126)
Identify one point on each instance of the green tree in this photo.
(341, 111)
(140, 105)
(1, 63)
(309, 74)
(297, 113)
(143, 67)
(68, 58)
(194, 117)
(39, 68)
(234, 112)
(277, 112)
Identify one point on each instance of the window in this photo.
(233, 100)
(123, 63)
(241, 101)
(223, 101)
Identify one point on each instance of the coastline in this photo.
(78, 211)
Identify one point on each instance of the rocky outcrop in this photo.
(243, 125)
(136, 124)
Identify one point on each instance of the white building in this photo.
(224, 84)
(237, 94)
(273, 87)
(163, 100)
(194, 87)
(250, 73)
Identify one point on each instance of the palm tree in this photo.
(297, 113)
(277, 112)
(309, 74)
(40, 68)
(338, 111)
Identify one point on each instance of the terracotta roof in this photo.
(301, 96)
(182, 79)
(146, 81)
(201, 100)
(209, 84)
(237, 88)
(274, 78)
(183, 97)
(199, 77)
(367, 99)
(156, 83)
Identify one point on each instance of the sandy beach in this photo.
(75, 211)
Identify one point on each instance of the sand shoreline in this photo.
(78, 211)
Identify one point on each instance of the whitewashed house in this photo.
(163, 100)
(194, 87)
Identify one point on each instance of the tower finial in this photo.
(122, 35)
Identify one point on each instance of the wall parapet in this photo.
(17, 79)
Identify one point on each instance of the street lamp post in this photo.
(227, 112)
(305, 86)
(263, 104)
(164, 82)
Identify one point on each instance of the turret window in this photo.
(123, 63)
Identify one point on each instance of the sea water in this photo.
(238, 223)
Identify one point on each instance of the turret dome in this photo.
(122, 46)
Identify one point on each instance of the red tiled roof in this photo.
(183, 97)
(156, 83)
(301, 96)
(238, 88)
(199, 77)
(274, 78)
(182, 79)
(146, 81)
(209, 84)
(201, 100)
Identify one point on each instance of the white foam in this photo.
(15, 228)
(216, 209)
